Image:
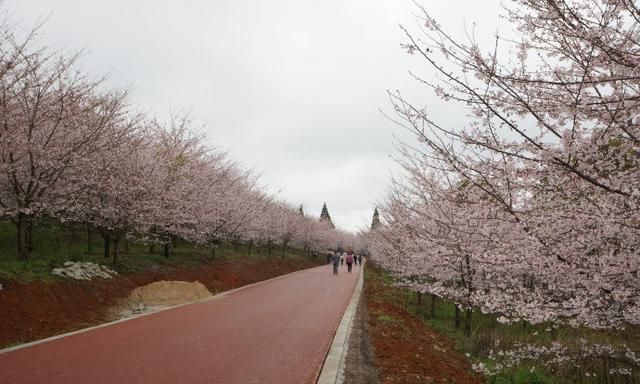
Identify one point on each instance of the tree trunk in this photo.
(269, 246)
(166, 250)
(116, 243)
(605, 368)
(22, 237)
(126, 245)
(467, 322)
(89, 240)
(30, 236)
(152, 248)
(433, 306)
(457, 318)
(419, 297)
(250, 246)
(284, 248)
(107, 244)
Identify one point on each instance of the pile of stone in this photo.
(84, 271)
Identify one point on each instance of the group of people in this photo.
(336, 258)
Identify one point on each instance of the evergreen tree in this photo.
(324, 215)
(375, 223)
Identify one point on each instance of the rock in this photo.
(83, 271)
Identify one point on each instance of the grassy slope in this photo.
(406, 350)
(54, 244)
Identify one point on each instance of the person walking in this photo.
(349, 260)
(360, 259)
(342, 258)
(335, 260)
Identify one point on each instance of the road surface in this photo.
(274, 332)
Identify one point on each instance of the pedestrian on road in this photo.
(349, 260)
(360, 259)
(335, 260)
(342, 258)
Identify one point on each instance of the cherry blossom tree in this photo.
(182, 167)
(119, 192)
(230, 201)
(547, 163)
(288, 225)
(53, 117)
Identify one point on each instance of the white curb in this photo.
(332, 371)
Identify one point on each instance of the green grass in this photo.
(387, 319)
(488, 336)
(523, 375)
(55, 243)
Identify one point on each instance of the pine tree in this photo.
(375, 223)
(324, 215)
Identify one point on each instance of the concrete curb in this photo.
(214, 297)
(332, 371)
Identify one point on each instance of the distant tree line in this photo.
(73, 150)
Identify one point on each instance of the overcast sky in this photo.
(292, 89)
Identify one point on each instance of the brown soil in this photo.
(406, 349)
(32, 311)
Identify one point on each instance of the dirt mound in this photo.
(166, 293)
(159, 295)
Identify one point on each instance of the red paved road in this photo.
(275, 332)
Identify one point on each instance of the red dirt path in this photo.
(275, 332)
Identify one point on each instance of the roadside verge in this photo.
(332, 371)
